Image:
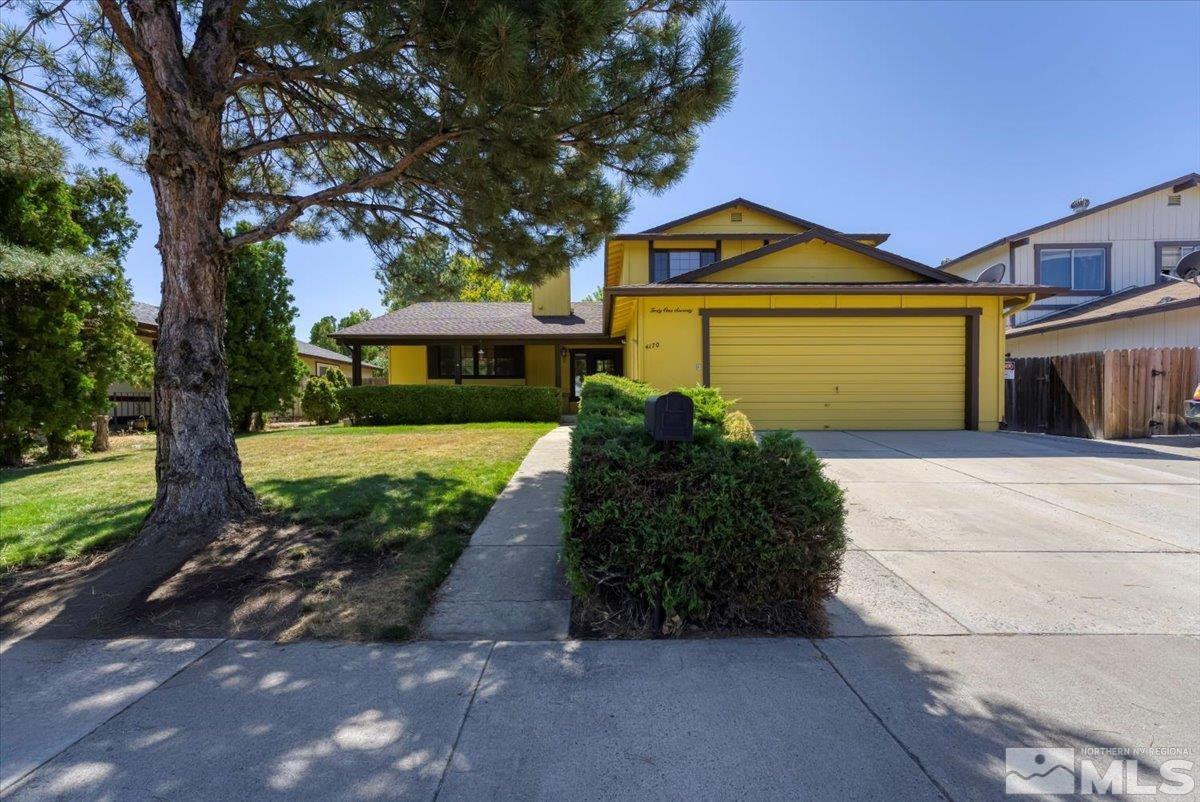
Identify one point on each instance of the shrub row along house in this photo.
(806, 327)
(1114, 264)
(130, 403)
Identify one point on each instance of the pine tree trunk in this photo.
(199, 474)
(100, 441)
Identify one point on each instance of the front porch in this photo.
(559, 363)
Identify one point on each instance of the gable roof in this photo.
(451, 320)
(1185, 181)
(1133, 302)
(317, 352)
(758, 207)
(823, 235)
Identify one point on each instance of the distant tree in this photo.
(259, 342)
(595, 295)
(101, 208)
(320, 331)
(428, 270)
(114, 353)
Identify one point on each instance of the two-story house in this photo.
(806, 327)
(1114, 264)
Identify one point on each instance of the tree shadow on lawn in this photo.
(322, 541)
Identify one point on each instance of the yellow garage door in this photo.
(842, 372)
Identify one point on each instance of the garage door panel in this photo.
(843, 373)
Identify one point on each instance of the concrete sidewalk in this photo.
(874, 718)
(508, 584)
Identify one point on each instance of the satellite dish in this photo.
(1188, 268)
(993, 275)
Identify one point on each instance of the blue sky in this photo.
(947, 125)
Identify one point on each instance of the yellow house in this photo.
(806, 327)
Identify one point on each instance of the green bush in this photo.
(320, 401)
(719, 534)
(447, 403)
(337, 379)
(738, 427)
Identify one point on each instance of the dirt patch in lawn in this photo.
(266, 579)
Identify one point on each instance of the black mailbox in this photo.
(669, 417)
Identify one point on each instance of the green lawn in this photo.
(382, 488)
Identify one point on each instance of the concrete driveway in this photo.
(1003, 591)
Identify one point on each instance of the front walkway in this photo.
(508, 584)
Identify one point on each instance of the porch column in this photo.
(558, 372)
(356, 365)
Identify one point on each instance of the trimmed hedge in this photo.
(375, 405)
(722, 534)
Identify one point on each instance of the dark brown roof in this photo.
(825, 236)
(1179, 184)
(897, 288)
(1134, 302)
(477, 319)
(145, 314)
(687, 218)
(878, 239)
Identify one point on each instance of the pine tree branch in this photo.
(280, 223)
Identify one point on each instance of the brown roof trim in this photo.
(824, 236)
(909, 288)
(1187, 183)
(1176, 184)
(735, 202)
(415, 339)
(1071, 324)
(878, 239)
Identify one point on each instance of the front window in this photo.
(1078, 269)
(477, 361)
(1171, 254)
(668, 264)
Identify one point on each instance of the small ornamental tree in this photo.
(259, 344)
(515, 128)
(320, 401)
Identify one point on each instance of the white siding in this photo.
(971, 268)
(1165, 330)
(1132, 228)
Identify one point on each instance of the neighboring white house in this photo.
(1103, 254)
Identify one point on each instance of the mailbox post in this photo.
(670, 418)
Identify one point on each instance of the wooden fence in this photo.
(1109, 394)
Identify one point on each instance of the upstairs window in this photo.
(1082, 269)
(1169, 256)
(668, 264)
(477, 361)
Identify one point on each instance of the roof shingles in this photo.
(479, 319)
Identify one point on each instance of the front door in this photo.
(588, 362)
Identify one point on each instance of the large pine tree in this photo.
(517, 129)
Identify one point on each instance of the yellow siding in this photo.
(663, 348)
(406, 364)
(816, 262)
(553, 296)
(636, 262)
(720, 222)
(539, 365)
